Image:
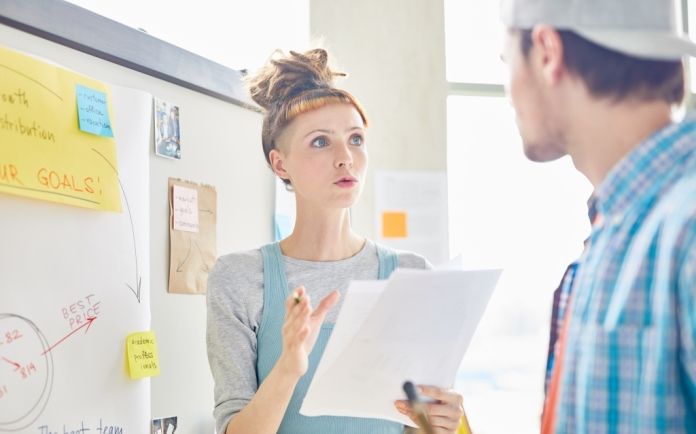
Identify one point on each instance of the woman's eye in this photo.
(356, 140)
(319, 142)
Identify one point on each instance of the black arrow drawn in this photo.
(179, 268)
(138, 278)
(205, 266)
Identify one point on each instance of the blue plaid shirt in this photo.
(630, 361)
(560, 301)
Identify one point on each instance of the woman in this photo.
(264, 341)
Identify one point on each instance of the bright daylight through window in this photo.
(505, 212)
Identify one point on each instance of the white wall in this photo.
(221, 147)
(394, 54)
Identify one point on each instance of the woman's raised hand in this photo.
(301, 328)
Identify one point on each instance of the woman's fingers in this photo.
(296, 317)
(301, 321)
(403, 408)
(297, 298)
(439, 394)
(445, 423)
(444, 414)
(440, 424)
(298, 311)
(326, 304)
(441, 430)
(446, 410)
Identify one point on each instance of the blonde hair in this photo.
(289, 85)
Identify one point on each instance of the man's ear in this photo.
(548, 53)
(277, 165)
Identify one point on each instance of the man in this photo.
(597, 80)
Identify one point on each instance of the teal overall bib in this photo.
(270, 345)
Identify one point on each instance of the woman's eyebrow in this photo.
(319, 131)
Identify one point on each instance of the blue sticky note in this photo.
(93, 111)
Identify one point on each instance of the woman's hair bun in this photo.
(286, 76)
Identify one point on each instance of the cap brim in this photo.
(647, 45)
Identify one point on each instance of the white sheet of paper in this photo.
(185, 209)
(415, 328)
(456, 263)
(360, 299)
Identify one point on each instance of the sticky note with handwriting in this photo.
(185, 210)
(141, 352)
(93, 111)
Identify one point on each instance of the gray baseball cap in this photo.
(641, 28)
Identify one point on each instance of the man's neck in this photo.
(602, 133)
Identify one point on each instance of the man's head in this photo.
(613, 50)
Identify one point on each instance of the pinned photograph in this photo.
(167, 136)
(165, 425)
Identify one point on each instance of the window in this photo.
(505, 212)
(529, 219)
(476, 39)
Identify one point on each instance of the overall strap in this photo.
(275, 281)
(273, 270)
(388, 261)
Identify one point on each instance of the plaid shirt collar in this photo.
(639, 175)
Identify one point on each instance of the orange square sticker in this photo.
(394, 225)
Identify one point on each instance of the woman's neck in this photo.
(322, 235)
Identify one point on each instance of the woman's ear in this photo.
(277, 164)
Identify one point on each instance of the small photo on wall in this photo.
(165, 425)
(167, 134)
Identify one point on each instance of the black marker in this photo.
(418, 407)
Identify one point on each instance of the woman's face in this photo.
(322, 152)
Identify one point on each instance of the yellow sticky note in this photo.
(43, 153)
(394, 225)
(141, 353)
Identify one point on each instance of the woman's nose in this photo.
(344, 158)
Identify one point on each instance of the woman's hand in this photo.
(444, 414)
(301, 328)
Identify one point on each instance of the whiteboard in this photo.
(60, 266)
(221, 147)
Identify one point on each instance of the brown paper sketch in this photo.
(192, 254)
